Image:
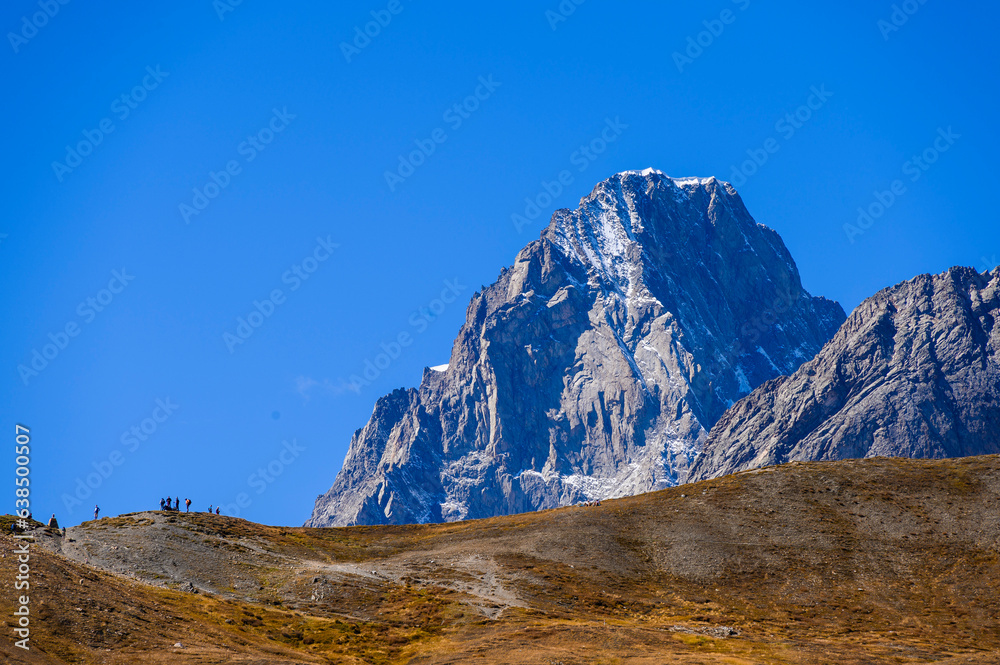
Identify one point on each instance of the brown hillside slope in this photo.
(863, 561)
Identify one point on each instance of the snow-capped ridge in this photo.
(680, 182)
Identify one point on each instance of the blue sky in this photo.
(278, 137)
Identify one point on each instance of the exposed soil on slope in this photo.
(868, 561)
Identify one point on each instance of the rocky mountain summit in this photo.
(914, 372)
(594, 366)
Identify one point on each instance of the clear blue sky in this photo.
(551, 87)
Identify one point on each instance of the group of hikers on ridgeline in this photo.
(165, 505)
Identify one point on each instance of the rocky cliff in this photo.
(914, 372)
(594, 366)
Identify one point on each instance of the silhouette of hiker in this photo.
(161, 504)
(209, 509)
(53, 523)
(177, 503)
(187, 505)
(97, 510)
(216, 510)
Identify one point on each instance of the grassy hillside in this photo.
(894, 561)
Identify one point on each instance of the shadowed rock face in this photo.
(914, 372)
(594, 366)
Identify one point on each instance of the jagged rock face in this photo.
(914, 372)
(594, 366)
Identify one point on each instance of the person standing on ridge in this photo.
(216, 510)
(161, 504)
(97, 510)
(209, 509)
(177, 503)
(187, 505)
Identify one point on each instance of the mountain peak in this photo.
(649, 182)
(644, 222)
(595, 365)
(686, 181)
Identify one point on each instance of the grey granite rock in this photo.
(913, 372)
(594, 366)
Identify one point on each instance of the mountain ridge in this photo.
(594, 366)
(913, 372)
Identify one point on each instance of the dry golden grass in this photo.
(874, 561)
